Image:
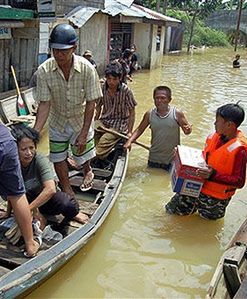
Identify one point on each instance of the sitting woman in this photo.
(39, 181)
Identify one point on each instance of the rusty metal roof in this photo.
(80, 15)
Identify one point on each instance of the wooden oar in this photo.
(21, 106)
(123, 136)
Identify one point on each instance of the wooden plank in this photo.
(242, 292)
(232, 278)
(87, 207)
(76, 181)
(3, 271)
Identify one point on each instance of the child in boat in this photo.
(236, 62)
(115, 110)
(226, 156)
(165, 122)
(42, 196)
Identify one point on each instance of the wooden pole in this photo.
(123, 136)
(238, 24)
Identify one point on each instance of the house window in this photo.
(158, 38)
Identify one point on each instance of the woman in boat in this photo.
(39, 181)
(12, 188)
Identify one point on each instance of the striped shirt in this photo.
(116, 109)
(68, 98)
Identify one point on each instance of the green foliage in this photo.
(209, 37)
(202, 35)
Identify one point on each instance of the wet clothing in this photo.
(11, 181)
(38, 172)
(166, 167)
(236, 63)
(60, 142)
(222, 159)
(165, 136)
(67, 98)
(208, 205)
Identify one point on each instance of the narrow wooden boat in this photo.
(229, 279)
(9, 111)
(19, 274)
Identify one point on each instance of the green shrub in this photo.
(202, 35)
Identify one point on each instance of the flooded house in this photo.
(19, 45)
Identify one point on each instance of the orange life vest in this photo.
(222, 160)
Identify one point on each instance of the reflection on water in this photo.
(141, 252)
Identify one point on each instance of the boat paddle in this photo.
(123, 136)
(20, 104)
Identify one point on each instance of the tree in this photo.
(195, 9)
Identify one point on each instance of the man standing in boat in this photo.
(226, 156)
(67, 88)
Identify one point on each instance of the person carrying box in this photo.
(225, 153)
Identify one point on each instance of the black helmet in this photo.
(63, 36)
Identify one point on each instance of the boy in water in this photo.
(165, 122)
(236, 62)
(226, 156)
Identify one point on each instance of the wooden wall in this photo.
(22, 52)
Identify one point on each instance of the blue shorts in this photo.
(11, 181)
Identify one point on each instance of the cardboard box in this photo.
(184, 171)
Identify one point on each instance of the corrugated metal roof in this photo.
(125, 2)
(156, 14)
(80, 15)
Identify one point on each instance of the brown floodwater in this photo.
(140, 251)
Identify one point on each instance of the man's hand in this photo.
(80, 143)
(187, 129)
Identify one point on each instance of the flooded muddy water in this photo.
(140, 251)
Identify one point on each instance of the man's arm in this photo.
(98, 111)
(81, 140)
(139, 130)
(183, 122)
(42, 115)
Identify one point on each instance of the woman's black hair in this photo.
(232, 112)
(21, 131)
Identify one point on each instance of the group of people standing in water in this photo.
(69, 92)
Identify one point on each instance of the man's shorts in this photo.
(164, 166)
(60, 142)
(11, 181)
(208, 207)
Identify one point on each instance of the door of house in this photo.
(120, 39)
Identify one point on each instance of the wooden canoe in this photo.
(9, 109)
(231, 269)
(19, 274)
